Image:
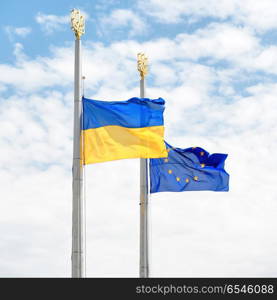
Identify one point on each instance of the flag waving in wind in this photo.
(122, 129)
(191, 169)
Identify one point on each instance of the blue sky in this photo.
(214, 62)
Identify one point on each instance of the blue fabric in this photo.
(190, 169)
(133, 113)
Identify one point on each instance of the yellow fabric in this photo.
(115, 142)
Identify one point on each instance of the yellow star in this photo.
(187, 180)
(195, 178)
(202, 165)
(166, 160)
(178, 178)
(169, 171)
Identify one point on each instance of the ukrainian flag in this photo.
(122, 129)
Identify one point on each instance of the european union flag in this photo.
(190, 169)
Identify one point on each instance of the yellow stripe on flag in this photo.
(115, 142)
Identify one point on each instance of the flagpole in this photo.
(77, 257)
(144, 261)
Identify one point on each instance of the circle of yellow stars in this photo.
(195, 178)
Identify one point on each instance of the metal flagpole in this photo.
(144, 263)
(77, 257)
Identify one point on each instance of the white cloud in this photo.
(29, 75)
(51, 23)
(221, 41)
(13, 32)
(22, 31)
(256, 14)
(242, 51)
(123, 18)
(267, 60)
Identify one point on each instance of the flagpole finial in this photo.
(77, 23)
(142, 65)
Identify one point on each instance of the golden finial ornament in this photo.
(77, 23)
(142, 65)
